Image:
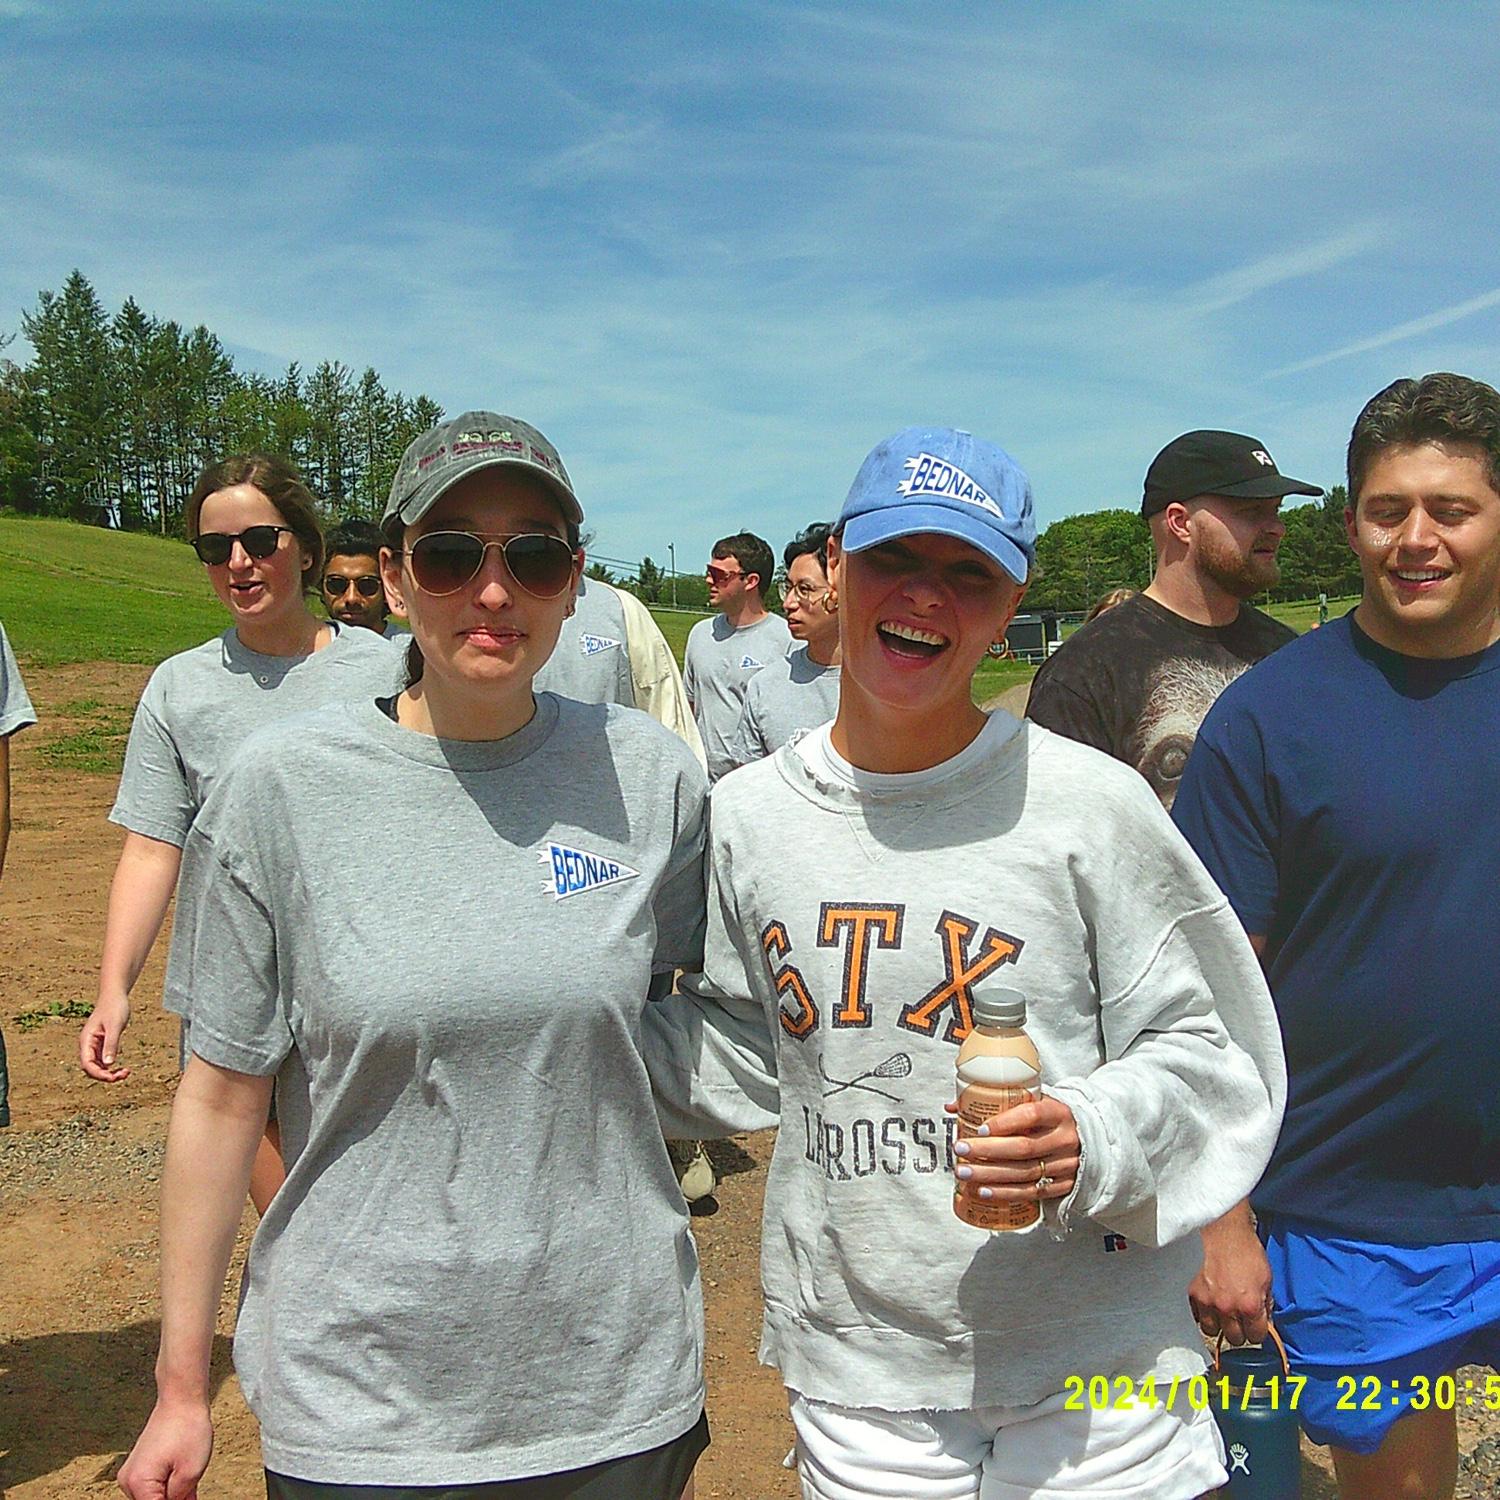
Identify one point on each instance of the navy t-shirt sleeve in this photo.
(1223, 809)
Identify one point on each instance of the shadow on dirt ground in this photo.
(79, 1392)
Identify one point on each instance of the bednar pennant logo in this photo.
(593, 644)
(931, 475)
(749, 664)
(573, 871)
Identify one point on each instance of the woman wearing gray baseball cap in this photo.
(478, 1279)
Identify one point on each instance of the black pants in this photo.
(658, 1474)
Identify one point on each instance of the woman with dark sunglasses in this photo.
(254, 526)
(478, 1279)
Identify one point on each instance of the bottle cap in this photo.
(1000, 1007)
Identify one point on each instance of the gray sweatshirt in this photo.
(591, 661)
(851, 921)
(479, 1267)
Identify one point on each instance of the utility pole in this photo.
(672, 563)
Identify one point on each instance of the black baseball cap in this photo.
(1208, 462)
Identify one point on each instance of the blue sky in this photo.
(716, 251)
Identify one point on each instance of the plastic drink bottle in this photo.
(998, 1068)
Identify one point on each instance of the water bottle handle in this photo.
(1286, 1364)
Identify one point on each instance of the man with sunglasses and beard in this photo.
(725, 652)
(352, 591)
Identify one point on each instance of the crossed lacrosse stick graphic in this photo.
(898, 1065)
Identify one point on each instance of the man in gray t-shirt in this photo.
(16, 713)
(801, 689)
(725, 652)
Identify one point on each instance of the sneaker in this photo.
(695, 1172)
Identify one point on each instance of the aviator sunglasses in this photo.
(367, 585)
(214, 547)
(442, 562)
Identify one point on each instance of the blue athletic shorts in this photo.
(1368, 1324)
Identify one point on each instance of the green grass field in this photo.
(71, 593)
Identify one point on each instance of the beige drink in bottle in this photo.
(998, 1068)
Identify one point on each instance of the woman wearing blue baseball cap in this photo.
(868, 882)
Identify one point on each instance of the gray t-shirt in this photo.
(591, 661)
(200, 705)
(717, 668)
(16, 711)
(787, 696)
(479, 1267)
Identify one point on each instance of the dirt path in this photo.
(79, 1178)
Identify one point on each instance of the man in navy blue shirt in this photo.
(1342, 793)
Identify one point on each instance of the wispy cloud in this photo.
(1399, 334)
(1237, 285)
(716, 252)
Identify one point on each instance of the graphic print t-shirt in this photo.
(1137, 681)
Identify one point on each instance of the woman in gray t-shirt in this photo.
(478, 1277)
(255, 526)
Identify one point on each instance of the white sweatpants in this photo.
(1040, 1452)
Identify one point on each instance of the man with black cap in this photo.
(1136, 681)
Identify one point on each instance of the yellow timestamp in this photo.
(1445, 1393)
(1195, 1392)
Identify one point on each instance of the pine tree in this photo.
(72, 398)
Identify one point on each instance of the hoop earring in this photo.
(998, 649)
(831, 602)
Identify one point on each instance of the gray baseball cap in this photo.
(436, 461)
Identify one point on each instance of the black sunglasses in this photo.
(214, 547)
(442, 562)
(367, 585)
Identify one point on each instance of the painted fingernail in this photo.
(986, 1193)
(961, 1148)
(983, 1130)
(964, 1172)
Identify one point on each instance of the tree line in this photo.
(112, 417)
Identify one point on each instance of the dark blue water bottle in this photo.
(1252, 1404)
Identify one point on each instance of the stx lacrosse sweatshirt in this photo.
(852, 920)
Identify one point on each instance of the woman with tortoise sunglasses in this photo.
(470, 1129)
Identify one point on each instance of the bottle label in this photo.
(975, 1106)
